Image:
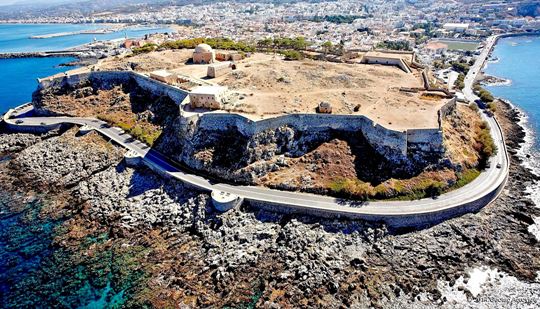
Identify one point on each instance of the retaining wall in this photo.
(12, 125)
(448, 108)
(425, 140)
(415, 220)
(386, 141)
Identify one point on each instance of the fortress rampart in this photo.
(390, 143)
(385, 141)
(108, 79)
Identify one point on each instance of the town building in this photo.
(375, 57)
(228, 56)
(204, 54)
(436, 48)
(210, 97)
(133, 43)
(456, 27)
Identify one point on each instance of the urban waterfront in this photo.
(81, 228)
(16, 37)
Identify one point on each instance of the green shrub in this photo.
(292, 55)
(408, 189)
(460, 67)
(460, 81)
(484, 142)
(217, 43)
(466, 177)
(435, 188)
(146, 134)
(484, 95)
(352, 188)
(145, 49)
(394, 45)
(337, 19)
(492, 106)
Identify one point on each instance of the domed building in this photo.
(204, 54)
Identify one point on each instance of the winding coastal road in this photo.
(471, 197)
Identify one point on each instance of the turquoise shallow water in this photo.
(519, 62)
(18, 76)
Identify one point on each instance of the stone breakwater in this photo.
(39, 54)
(396, 145)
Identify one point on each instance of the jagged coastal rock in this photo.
(136, 239)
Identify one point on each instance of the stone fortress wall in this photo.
(108, 78)
(387, 142)
(390, 143)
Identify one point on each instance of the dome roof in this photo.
(203, 48)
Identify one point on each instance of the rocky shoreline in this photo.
(135, 239)
(490, 80)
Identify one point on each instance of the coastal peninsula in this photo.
(255, 154)
(107, 208)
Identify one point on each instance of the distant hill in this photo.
(4, 3)
(529, 9)
(27, 9)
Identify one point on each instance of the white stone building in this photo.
(210, 97)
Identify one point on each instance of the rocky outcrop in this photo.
(91, 98)
(139, 200)
(158, 243)
(229, 146)
(17, 142)
(225, 154)
(65, 159)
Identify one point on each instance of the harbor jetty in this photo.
(60, 53)
(61, 34)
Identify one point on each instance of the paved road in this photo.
(476, 68)
(484, 185)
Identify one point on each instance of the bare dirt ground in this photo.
(168, 59)
(268, 86)
(273, 86)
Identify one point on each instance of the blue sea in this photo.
(16, 37)
(518, 62)
(18, 76)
